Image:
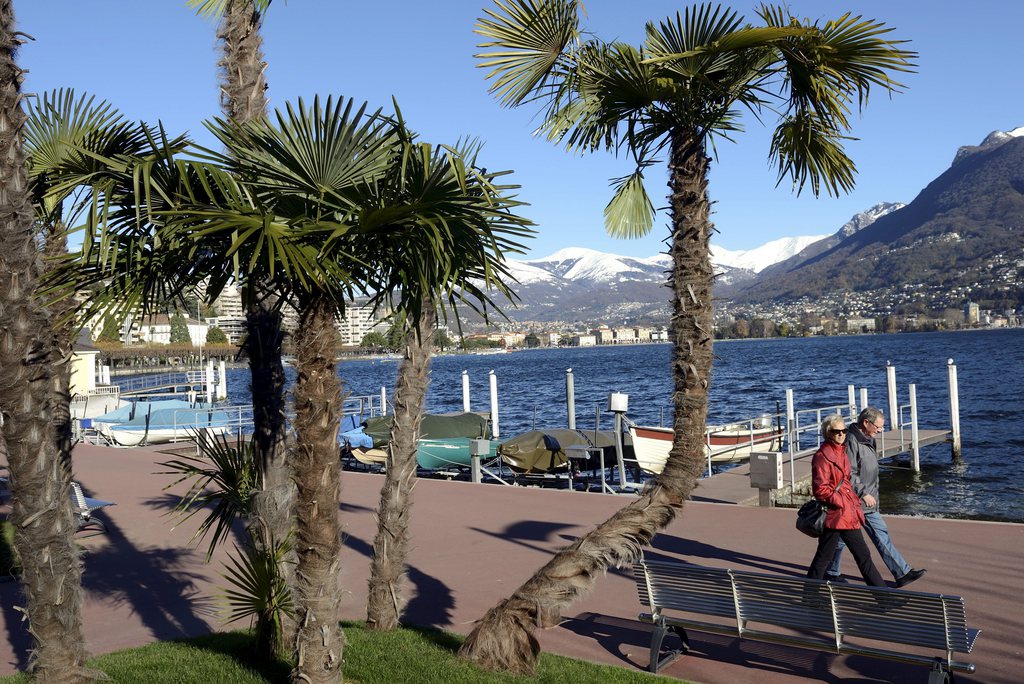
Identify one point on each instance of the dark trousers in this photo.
(861, 554)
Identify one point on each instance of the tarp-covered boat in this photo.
(444, 440)
(440, 454)
(467, 425)
(168, 425)
(542, 451)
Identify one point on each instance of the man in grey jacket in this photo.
(863, 455)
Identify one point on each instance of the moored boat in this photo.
(731, 443)
(168, 425)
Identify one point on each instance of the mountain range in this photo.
(964, 226)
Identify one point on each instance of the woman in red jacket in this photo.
(830, 482)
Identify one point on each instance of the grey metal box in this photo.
(766, 470)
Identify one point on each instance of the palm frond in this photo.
(222, 480)
(216, 8)
(630, 213)
(531, 37)
(805, 150)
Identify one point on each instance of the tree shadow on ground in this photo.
(153, 581)
(629, 641)
(241, 647)
(433, 602)
(668, 547)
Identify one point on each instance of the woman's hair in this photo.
(830, 422)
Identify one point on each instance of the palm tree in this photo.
(448, 244)
(66, 139)
(679, 91)
(40, 478)
(243, 99)
(289, 220)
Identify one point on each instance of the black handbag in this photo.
(810, 518)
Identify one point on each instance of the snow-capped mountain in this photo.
(582, 264)
(563, 285)
(991, 141)
(762, 257)
(864, 219)
(579, 264)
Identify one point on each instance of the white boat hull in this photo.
(724, 444)
(134, 437)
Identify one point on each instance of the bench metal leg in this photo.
(660, 630)
(940, 674)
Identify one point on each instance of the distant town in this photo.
(366, 328)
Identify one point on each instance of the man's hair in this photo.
(870, 415)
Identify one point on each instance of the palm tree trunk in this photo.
(243, 99)
(503, 639)
(316, 469)
(55, 246)
(40, 479)
(273, 505)
(385, 603)
(244, 83)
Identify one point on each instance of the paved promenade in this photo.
(474, 544)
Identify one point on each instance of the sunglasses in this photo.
(840, 432)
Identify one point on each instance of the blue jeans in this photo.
(877, 530)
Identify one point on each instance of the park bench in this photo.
(825, 616)
(83, 506)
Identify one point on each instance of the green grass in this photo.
(8, 559)
(407, 655)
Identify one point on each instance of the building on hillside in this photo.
(229, 304)
(973, 313)
(84, 357)
(584, 340)
(624, 335)
(860, 325)
(360, 320)
(233, 328)
(157, 330)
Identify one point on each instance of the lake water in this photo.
(750, 378)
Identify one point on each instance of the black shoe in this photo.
(911, 576)
(835, 579)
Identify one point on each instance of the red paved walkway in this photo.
(476, 543)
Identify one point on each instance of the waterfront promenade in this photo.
(474, 544)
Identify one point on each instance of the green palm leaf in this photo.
(630, 214)
(531, 37)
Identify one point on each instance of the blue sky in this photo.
(155, 59)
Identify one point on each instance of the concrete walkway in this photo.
(474, 544)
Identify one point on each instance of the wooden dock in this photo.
(733, 485)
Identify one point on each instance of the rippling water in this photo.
(751, 377)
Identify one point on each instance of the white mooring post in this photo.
(863, 398)
(465, 391)
(890, 382)
(570, 398)
(383, 401)
(495, 432)
(851, 393)
(223, 385)
(209, 381)
(915, 445)
(954, 409)
(792, 437)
